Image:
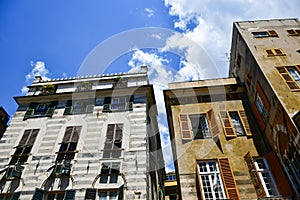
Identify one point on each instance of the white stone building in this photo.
(83, 138)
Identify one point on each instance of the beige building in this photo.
(265, 56)
(218, 151)
(83, 138)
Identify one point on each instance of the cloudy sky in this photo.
(190, 39)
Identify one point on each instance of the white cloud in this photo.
(39, 69)
(214, 19)
(149, 12)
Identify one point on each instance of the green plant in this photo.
(84, 86)
(48, 89)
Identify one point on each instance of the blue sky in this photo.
(54, 38)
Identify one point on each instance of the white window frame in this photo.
(237, 123)
(202, 124)
(212, 181)
(265, 176)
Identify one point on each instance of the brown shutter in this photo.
(254, 175)
(75, 135)
(213, 123)
(245, 122)
(185, 127)
(110, 132)
(119, 129)
(228, 179)
(32, 136)
(227, 125)
(278, 175)
(24, 138)
(68, 134)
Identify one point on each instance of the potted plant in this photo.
(48, 89)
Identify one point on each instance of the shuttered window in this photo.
(24, 148)
(216, 179)
(254, 175)
(109, 172)
(40, 110)
(185, 127)
(213, 123)
(79, 107)
(68, 146)
(113, 142)
(235, 123)
(291, 76)
(118, 104)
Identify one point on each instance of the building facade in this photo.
(4, 117)
(265, 56)
(218, 151)
(83, 138)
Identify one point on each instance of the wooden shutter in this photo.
(76, 132)
(90, 194)
(32, 137)
(227, 125)
(185, 127)
(119, 130)
(38, 194)
(213, 123)
(50, 112)
(278, 175)
(245, 122)
(68, 134)
(228, 179)
(29, 112)
(69, 195)
(254, 175)
(24, 138)
(110, 132)
(120, 192)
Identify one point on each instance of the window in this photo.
(108, 195)
(216, 179)
(261, 176)
(109, 172)
(114, 104)
(25, 145)
(235, 123)
(171, 177)
(261, 107)
(93, 193)
(263, 34)
(68, 146)
(200, 127)
(79, 107)
(195, 126)
(113, 142)
(294, 32)
(9, 196)
(40, 110)
(265, 176)
(274, 52)
(40, 194)
(291, 75)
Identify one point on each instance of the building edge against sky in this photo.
(84, 138)
(247, 127)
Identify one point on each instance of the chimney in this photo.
(37, 79)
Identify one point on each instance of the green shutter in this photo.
(68, 110)
(120, 192)
(38, 194)
(69, 195)
(130, 106)
(90, 194)
(15, 196)
(29, 112)
(50, 112)
(106, 108)
(89, 108)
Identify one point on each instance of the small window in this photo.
(200, 126)
(293, 32)
(109, 172)
(291, 75)
(263, 34)
(274, 52)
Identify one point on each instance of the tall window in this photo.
(261, 108)
(237, 123)
(113, 142)
(265, 176)
(200, 127)
(68, 146)
(212, 186)
(25, 145)
(291, 75)
(109, 172)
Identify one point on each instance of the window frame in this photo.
(289, 80)
(274, 52)
(113, 141)
(206, 134)
(109, 177)
(293, 32)
(264, 34)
